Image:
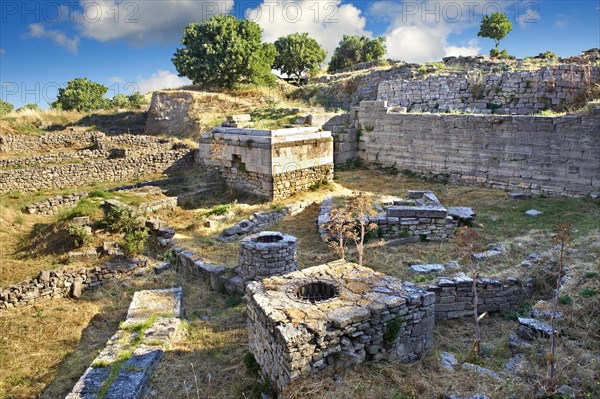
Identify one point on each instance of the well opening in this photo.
(269, 238)
(317, 291)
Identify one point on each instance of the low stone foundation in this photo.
(454, 296)
(336, 314)
(266, 254)
(61, 283)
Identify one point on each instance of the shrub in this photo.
(501, 55)
(32, 107)
(81, 235)
(547, 55)
(135, 241)
(5, 108)
(119, 219)
(251, 364)
(136, 100)
(392, 329)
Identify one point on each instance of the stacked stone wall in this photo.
(261, 259)
(290, 340)
(61, 283)
(76, 175)
(27, 143)
(345, 137)
(454, 296)
(511, 92)
(553, 155)
(54, 204)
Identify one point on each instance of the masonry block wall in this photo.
(80, 174)
(553, 155)
(270, 163)
(510, 92)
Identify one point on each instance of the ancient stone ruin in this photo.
(266, 254)
(270, 163)
(336, 314)
(421, 217)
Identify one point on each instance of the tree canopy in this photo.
(81, 94)
(354, 49)
(298, 54)
(223, 51)
(495, 26)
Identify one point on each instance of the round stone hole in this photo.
(317, 291)
(269, 238)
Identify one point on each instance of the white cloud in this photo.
(471, 48)
(563, 20)
(38, 31)
(325, 21)
(161, 79)
(143, 22)
(419, 32)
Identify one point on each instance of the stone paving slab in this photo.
(125, 365)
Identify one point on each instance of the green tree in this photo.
(354, 49)
(136, 100)
(119, 101)
(223, 51)
(298, 54)
(495, 26)
(81, 94)
(5, 108)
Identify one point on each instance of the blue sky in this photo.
(128, 44)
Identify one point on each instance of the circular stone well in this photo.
(265, 254)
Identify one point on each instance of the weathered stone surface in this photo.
(424, 219)
(533, 212)
(291, 335)
(462, 214)
(513, 363)
(482, 371)
(265, 254)
(162, 267)
(269, 163)
(426, 269)
(146, 348)
(448, 361)
(539, 327)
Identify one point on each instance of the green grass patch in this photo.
(85, 207)
(272, 118)
(507, 219)
(219, 210)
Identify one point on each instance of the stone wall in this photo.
(266, 254)
(553, 155)
(454, 296)
(291, 336)
(54, 204)
(511, 92)
(345, 137)
(61, 157)
(76, 175)
(53, 141)
(270, 163)
(61, 283)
